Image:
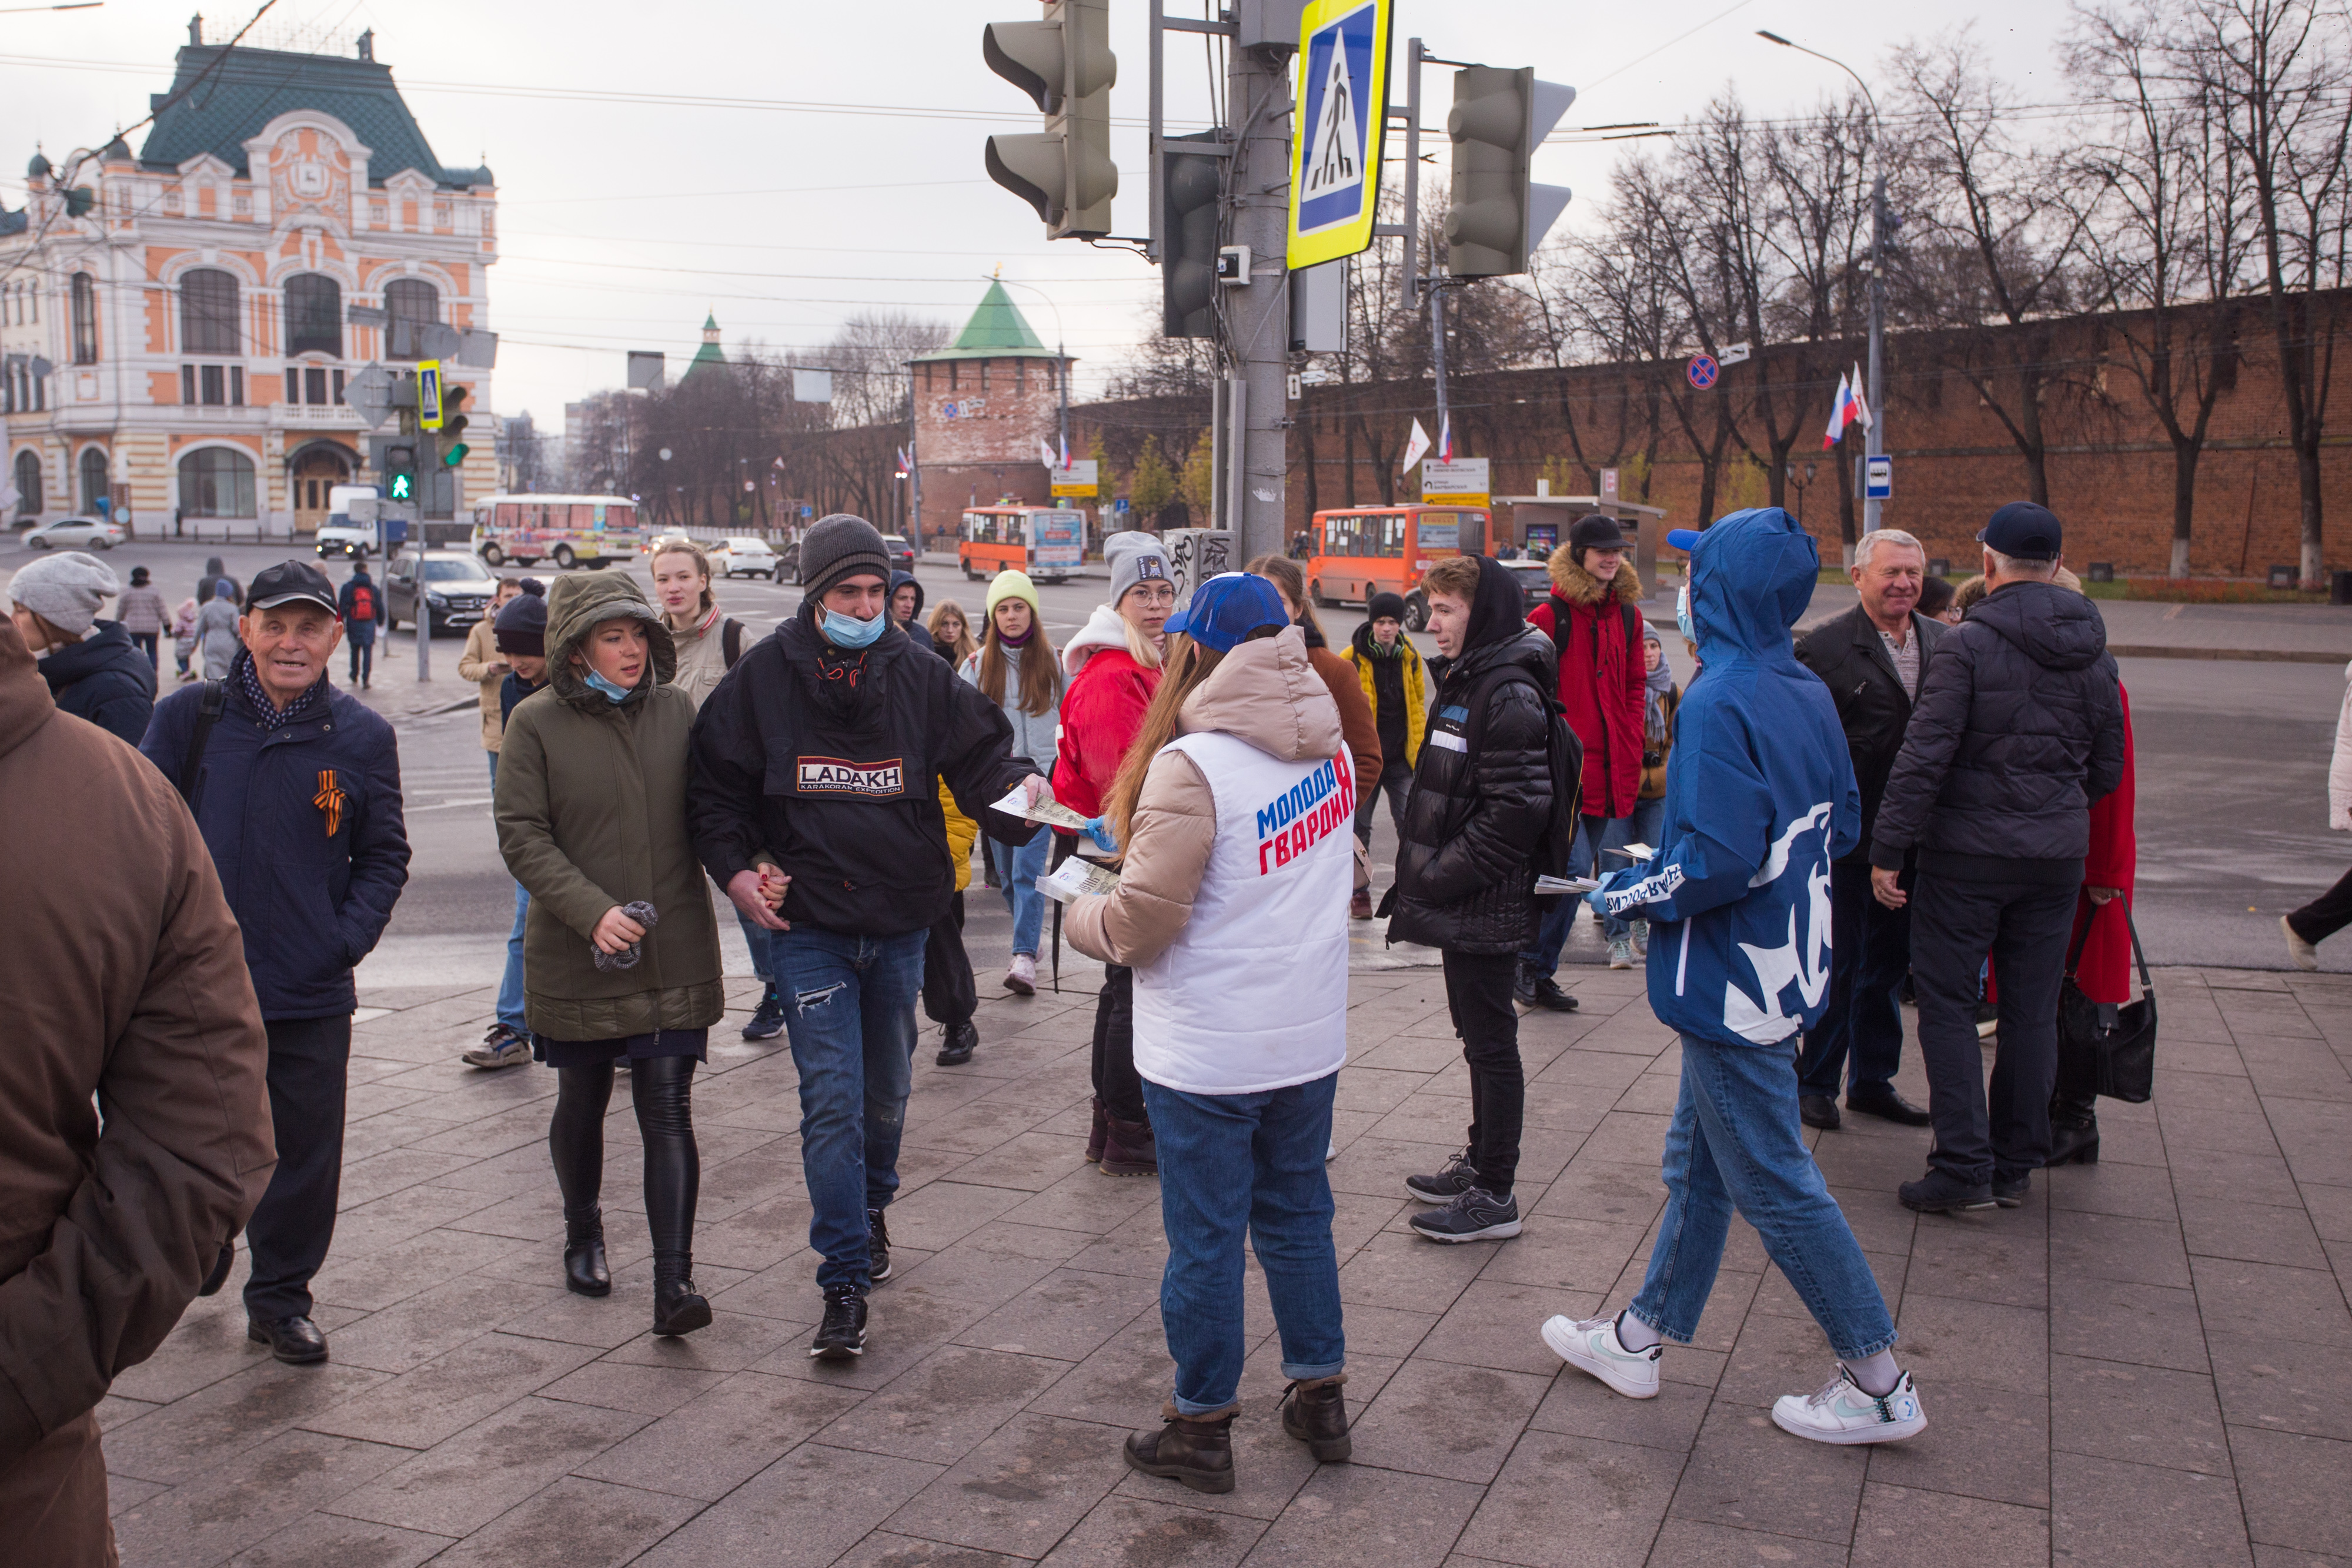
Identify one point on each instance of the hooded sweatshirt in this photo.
(1760, 798)
(1102, 708)
(1601, 677)
(1231, 898)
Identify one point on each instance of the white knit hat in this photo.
(65, 589)
(1134, 556)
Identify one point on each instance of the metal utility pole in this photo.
(1437, 347)
(1875, 439)
(1258, 308)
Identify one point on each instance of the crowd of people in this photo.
(1931, 793)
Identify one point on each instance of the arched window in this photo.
(314, 316)
(28, 482)
(85, 319)
(409, 299)
(93, 478)
(215, 482)
(209, 313)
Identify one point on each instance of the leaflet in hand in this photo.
(1551, 886)
(1049, 811)
(1075, 879)
(1633, 852)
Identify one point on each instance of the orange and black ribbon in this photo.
(329, 799)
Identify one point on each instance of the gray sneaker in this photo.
(500, 1048)
(1476, 1216)
(1458, 1177)
(1620, 952)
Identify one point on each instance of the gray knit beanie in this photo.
(65, 589)
(837, 545)
(1134, 556)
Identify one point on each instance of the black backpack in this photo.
(1557, 843)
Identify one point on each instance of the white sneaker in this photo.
(1333, 1152)
(1620, 952)
(1641, 932)
(2301, 953)
(1593, 1346)
(1021, 979)
(1842, 1413)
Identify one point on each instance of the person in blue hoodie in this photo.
(1760, 799)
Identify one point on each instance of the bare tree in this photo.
(868, 358)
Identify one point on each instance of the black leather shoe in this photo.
(295, 1341)
(1887, 1106)
(677, 1309)
(1940, 1192)
(221, 1266)
(1316, 1413)
(584, 1273)
(1818, 1111)
(2073, 1142)
(961, 1040)
(1536, 990)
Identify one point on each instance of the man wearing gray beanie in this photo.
(94, 670)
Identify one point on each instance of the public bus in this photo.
(1047, 542)
(1358, 551)
(570, 531)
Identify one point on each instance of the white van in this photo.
(345, 534)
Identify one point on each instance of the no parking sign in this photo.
(1702, 370)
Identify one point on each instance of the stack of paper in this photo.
(1552, 887)
(1075, 879)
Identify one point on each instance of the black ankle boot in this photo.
(1316, 1413)
(585, 1272)
(1198, 1453)
(2073, 1140)
(677, 1309)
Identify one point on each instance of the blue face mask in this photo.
(1683, 615)
(849, 631)
(613, 694)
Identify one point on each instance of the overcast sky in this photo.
(785, 165)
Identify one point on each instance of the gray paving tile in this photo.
(725, 1436)
(1458, 1422)
(2301, 1304)
(946, 1406)
(1020, 1491)
(2134, 1516)
(1355, 1514)
(1899, 1523)
(573, 1523)
(458, 1486)
(2294, 1488)
(1982, 1441)
(1686, 1543)
(1135, 1532)
(177, 1442)
(1746, 1473)
(802, 1511)
(272, 1485)
(452, 1392)
(322, 1538)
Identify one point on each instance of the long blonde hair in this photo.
(1041, 667)
(964, 646)
(1188, 666)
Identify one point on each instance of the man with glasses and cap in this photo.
(296, 789)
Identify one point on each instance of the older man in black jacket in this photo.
(1871, 658)
(2020, 729)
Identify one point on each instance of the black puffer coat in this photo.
(1481, 798)
(2018, 729)
(106, 679)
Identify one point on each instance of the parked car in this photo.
(746, 557)
(1535, 579)
(76, 533)
(902, 554)
(456, 585)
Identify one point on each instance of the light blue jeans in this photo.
(1018, 870)
(1735, 1141)
(509, 1003)
(1593, 834)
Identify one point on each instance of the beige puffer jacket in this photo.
(703, 655)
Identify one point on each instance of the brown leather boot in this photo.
(1129, 1148)
(1197, 1451)
(1315, 1412)
(1094, 1137)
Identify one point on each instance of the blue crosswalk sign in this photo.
(1335, 157)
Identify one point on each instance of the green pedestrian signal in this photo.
(403, 486)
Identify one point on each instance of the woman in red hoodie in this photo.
(1113, 665)
(2104, 970)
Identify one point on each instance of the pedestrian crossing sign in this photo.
(1334, 145)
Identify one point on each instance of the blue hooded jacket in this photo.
(1760, 798)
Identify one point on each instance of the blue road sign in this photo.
(1702, 370)
(1877, 478)
(1335, 158)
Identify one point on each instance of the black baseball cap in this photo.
(1595, 530)
(2023, 530)
(289, 580)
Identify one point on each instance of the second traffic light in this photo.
(1496, 216)
(1191, 185)
(453, 425)
(1065, 64)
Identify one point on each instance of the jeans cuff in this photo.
(1660, 1330)
(1303, 1372)
(1193, 1410)
(1884, 1342)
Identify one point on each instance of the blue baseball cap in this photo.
(1682, 539)
(1226, 609)
(2023, 532)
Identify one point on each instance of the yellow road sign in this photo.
(1335, 144)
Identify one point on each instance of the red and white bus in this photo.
(570, 531)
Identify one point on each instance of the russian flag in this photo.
(1445, 440)
(1843, 408)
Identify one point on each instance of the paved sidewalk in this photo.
(2147, 1364)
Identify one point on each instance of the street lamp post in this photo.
(1874, 437)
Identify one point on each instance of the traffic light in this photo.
(1065, 64)
(453, 425)
(1496, 217)
(1190, 187)
(400, 473)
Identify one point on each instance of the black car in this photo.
(456, 586)
(902, 553)
(1535, 579)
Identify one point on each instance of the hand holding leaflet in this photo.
(1049, 811)
(1552, 886)
(1075, 879)
(1633, 852)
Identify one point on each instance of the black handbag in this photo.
(2120, 1040)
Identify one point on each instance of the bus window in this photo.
(506, 514)
(1440, 530)
(1392, 535)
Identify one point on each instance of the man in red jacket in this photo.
(1594, 621)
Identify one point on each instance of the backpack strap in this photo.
(1561, 614)
(1633, 628)
(209, 709)
(730, 638)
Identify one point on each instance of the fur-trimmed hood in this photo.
(576, 605)
(1578, 586)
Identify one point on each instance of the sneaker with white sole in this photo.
(1620, 952)
(1841, 1412)
(1021, 978)
(1593, 1346)
(1458, 1177)
(1476, 1216)
(2300, 953)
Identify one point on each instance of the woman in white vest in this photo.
(1236, 809)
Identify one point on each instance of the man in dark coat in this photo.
(95, 672)
(1466, 869)
(297, 788)
(1871, 659)
(2019, 729)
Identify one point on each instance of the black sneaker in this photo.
(1476, 1216)
(842, 1335)
(1940, 1192)
(877, 1246)
(1458, 1177)
(767, 1017)
(1537, 990)
(2010, 1191)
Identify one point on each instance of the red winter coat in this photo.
(2105, 972)
(1102, 708)
(1602, 679)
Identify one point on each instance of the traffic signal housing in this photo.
(1496, 216)
(453, 425)
(1065, 64)
(1191, 187)
(400, 473)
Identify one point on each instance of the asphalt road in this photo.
(2231, 772)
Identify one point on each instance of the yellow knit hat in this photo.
(1009, 584)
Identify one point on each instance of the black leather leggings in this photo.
(663, 1089)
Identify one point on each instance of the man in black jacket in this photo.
(2019, 729)
(1466, 869)
(1871, 658)
(815, 803)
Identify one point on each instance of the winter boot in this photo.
(1129, 1148)
(1197, 1451)
(1094, 1136)
(1315, 1412)
(584, 1273)
(678, 1309)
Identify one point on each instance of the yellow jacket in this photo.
(962, 831)
(1416, 697)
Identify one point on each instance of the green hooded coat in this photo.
(591, 808)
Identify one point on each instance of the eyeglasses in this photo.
(1154, 595)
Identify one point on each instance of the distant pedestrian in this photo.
(1346, 686)
(622, 954)
(1593, 618)
(1935, 596)
(952, 636)
(518, 637)
(134, 1121)
(1871, 659)
(92, 669)
(1761, 801)
(483, 664)
(183, 636)
(363, 607)
(2019, 730)
(1240, 952)
(907, 603)
(297, 788)
(142, 612)
(217, 630)
(1396, 684)
(215, 575)
(2331, 912)
(1017, 669)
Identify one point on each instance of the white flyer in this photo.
(1551, 886)
(1075, 879)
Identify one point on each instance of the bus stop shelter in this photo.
(1554, 513)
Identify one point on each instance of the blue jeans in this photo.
(1736, 1140)
(1860, 1036)
(849, 1009)
(1018, 870)
(360, 639)
(509, 1005)
(756, 939)
(1593, 834)
(1279, 1138)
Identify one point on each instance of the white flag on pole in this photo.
(1045, 454)
(1415, 449)
(1860, 402)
